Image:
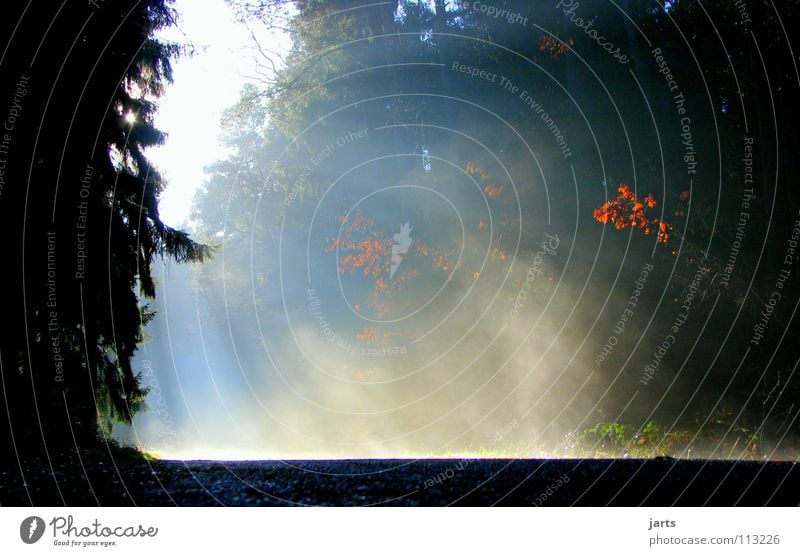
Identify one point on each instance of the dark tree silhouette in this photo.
(80, 206)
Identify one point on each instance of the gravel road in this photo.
(628, 482)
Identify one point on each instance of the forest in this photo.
(432, 219)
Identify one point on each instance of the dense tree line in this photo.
(391, 65)
(79, 199)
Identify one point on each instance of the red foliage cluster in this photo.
(627, 211)
(556, 48)
(372, 254)
(367, 249)
(492, 190)
(355, 223)
(472, 169)
(361, 374)
(373, 335)
(363, 248)
(368, 334)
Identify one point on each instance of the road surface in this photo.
(597, 482)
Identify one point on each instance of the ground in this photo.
(520, 482)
